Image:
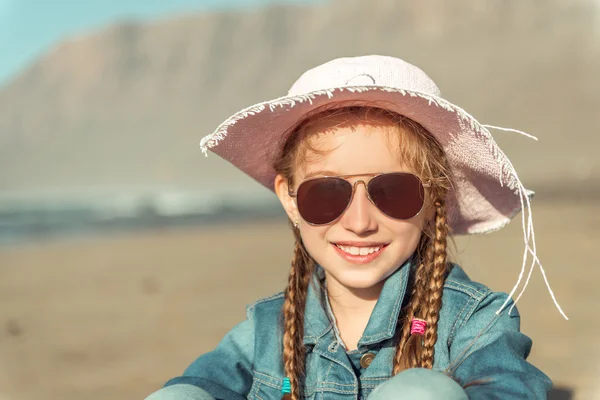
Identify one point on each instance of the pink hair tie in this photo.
(418, 326)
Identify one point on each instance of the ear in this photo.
(287, 201)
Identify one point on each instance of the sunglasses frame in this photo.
(294, 194)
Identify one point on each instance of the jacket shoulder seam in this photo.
(461, 318)
(471, 290)
(268, 299)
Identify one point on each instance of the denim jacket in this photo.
(473, 345)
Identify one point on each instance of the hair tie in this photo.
(286, 389)
(418, 326)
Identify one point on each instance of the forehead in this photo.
(337, 146)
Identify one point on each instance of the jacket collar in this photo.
(384, 318)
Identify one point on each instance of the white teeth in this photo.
(363, 251)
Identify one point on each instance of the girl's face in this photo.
(348, 149)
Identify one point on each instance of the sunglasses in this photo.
(322, 200)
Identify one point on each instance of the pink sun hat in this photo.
(487, 192)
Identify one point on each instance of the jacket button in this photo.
(366, 359)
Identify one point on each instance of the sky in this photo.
(30, 27)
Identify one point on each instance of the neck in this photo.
(352, 299)
(352, 309)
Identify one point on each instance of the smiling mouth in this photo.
(356, 251)
(359, 253)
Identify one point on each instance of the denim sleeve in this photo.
(489, 355)
(225, 372)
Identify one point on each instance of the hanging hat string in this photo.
(528, 236)
(499, 128)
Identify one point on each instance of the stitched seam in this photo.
(372, 385)
(396, 311)
(256, 394)
(264, 300)
(458, 286)
(252, 389)
(453, 331)
(470, 290)
(337, 391)
(470, 313)
(376, 335)
(267, 376)
(266, 383)
(316, 337)
(329, 369)
(377, 379)
(338, 384)
(334, 390)
(267, 379)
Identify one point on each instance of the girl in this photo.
(375, 170)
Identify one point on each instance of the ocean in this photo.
(23, 219)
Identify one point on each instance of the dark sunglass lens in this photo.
(398, 195)
(322, 200)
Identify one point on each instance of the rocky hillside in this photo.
(125, 107)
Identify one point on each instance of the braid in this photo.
(436, 284)
(408, 352)
(426, 299)
(293, 316)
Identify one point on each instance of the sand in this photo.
(114, 317)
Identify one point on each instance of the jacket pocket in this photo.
(266, 387)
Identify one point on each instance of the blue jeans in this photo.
(180, 392)
(416, 383)
(419, 384)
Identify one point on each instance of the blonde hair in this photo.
(419, 150)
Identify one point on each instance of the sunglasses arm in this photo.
(291, 193)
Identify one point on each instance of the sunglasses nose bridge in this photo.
(366, 185)
(358, 182)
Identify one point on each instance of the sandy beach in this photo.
(114, 317)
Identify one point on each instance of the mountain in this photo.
(122, 109)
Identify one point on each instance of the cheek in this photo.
(314, 240)
(408, 232)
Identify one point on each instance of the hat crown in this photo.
(371, 70)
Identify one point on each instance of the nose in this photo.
(358, 218)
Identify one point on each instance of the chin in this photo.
(360, 279)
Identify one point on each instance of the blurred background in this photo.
(125, 253)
